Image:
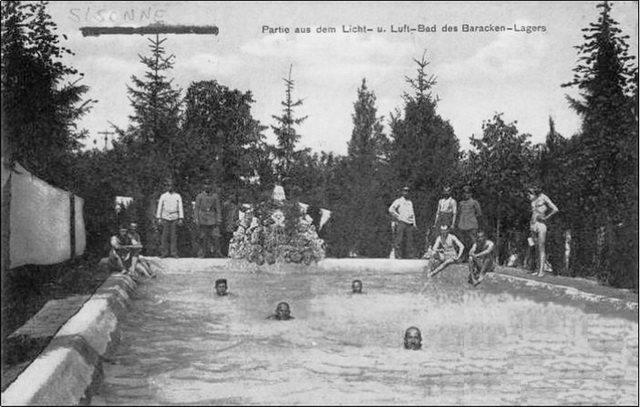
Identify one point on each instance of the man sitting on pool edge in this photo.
(481, 259)
(446, 250)
(283, 312)
(413, 339)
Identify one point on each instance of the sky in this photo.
(478, 73)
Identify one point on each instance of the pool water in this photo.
(181, 344)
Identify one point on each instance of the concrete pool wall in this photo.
(66, 369)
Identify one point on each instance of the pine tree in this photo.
(145, 151)
(285, 131)
(39, 108)
(425, 149)
(155, 102)
(609, 136)
(367, 140)
(607, 153)
(362, 215)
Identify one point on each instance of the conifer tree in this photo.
(39, 105)
(146, 149)
(361, 216)
(285, 131)
(155, 102)
(425, 149)
(606, 155)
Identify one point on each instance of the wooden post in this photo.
(567, 250)
(72, 224)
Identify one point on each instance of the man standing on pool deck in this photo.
(170, 215)
(402, 211)
(470, 212)
(481, 259)
(540, 204)
(208, 217)
(447, 210)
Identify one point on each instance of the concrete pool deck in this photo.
(65, 370)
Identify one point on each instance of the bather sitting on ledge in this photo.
(283, 312)
(123, 253)
(481, 259)
(446, 250)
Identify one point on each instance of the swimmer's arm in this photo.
(486, 252)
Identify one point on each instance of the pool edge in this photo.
(64, 371)
(565, 290)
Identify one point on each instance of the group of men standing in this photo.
(446, 247)
(215, 221)
(467, 213)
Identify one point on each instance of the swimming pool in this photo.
(181, 344)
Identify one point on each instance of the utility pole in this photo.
(106, 134)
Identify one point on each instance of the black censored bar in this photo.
(149, 29)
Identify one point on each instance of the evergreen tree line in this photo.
(208, 131)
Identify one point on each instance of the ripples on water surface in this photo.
(183, 345)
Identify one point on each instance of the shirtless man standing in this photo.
(542, 208)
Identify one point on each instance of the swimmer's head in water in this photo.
(413, 339)
(221, 286)
(356, 286)
(283, 311)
